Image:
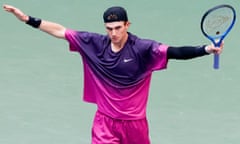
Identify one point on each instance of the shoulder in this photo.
(85, 36)
(142, 43)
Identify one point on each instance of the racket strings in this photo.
(216, 23)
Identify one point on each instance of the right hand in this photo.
(18, 13)
(215, 50)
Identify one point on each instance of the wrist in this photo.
(24, 18)
(34, 22)
(207, 49)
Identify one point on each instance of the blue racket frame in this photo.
(217, 40)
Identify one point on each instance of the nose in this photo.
(114, 32)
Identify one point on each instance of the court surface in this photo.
(41, 81)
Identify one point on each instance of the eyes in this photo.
(113, 28)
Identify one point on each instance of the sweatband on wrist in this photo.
(34, 22)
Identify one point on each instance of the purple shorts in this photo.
(107, 130)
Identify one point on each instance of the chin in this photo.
(115, 41)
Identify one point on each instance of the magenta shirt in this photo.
(117, 82)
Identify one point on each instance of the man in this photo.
(117, 72)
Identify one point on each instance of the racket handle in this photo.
(216, 61)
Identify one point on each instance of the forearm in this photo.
(51, 28)
(186, 52)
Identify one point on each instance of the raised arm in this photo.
(51, 28)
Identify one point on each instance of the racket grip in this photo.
(216, 61)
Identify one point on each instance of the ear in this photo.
(127, 24)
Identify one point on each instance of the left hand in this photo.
(215, 50)
(17, 12)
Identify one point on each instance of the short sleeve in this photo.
(80, 41)
(159, 57)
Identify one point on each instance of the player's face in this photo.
(117, 31)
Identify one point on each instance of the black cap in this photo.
(114, 14)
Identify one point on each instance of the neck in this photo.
(116, 47)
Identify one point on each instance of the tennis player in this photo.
(117, 72)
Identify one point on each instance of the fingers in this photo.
(218, 50)
(7, 7)
(18, 13)
(222, 44)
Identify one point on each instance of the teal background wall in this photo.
(41, 81)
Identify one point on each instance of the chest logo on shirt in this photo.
(126, 60)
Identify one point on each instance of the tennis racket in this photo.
(216, 23)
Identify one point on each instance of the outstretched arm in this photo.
(188, 52)
(51, 28)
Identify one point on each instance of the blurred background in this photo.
(41, 81)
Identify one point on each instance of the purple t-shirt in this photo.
(117, 82)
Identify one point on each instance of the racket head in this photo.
(217, 22)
